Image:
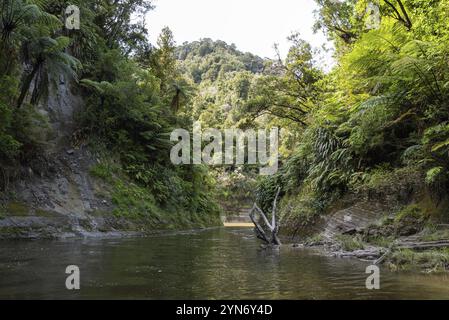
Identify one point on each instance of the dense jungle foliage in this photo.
(377, 120)
(131, 90)
(376, 123)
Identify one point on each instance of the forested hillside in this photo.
(368, 139)
(371, 133)
(120, 133)
(378, 121)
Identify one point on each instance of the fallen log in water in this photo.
(413, 246)
(366, 254)
(272, 227)
(423, 245)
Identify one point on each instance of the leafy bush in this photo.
(413, 212)
(9, 147)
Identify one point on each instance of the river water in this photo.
(209, 264)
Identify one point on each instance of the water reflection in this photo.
(210, 264)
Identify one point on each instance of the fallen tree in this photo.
(413, 246)
(268, 232)
(424, 245)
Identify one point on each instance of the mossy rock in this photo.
(412, 212)
(45, 213)
(11, 232)
(86, 224)
(351, 243)
(17, 209)
(410, 220)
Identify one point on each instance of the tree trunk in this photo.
(273, 227)
(25, 87)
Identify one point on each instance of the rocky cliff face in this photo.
(61, 199)
(353, 213)
(354, 218)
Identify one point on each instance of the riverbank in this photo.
(84, 192)
(426, 252)
(395, 215)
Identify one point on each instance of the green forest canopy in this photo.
(380, 113)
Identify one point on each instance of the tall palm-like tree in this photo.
(46, 55)
(180, 92)
(27, 38)
(18, 22)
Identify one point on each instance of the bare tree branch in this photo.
(405, 20)
(273, 227)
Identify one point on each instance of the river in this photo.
(222, 263)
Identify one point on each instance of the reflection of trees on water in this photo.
(211, 264)
(242, 270)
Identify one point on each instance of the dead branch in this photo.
(413, 246)
(272, 227)
(424, 245)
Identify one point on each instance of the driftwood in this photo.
(366, 254)
(424, 245)
(387, 253)
(271, 228)
(383, 257)
(413, 246)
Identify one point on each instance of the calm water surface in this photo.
(209, 264)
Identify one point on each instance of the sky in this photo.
(252, 25)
